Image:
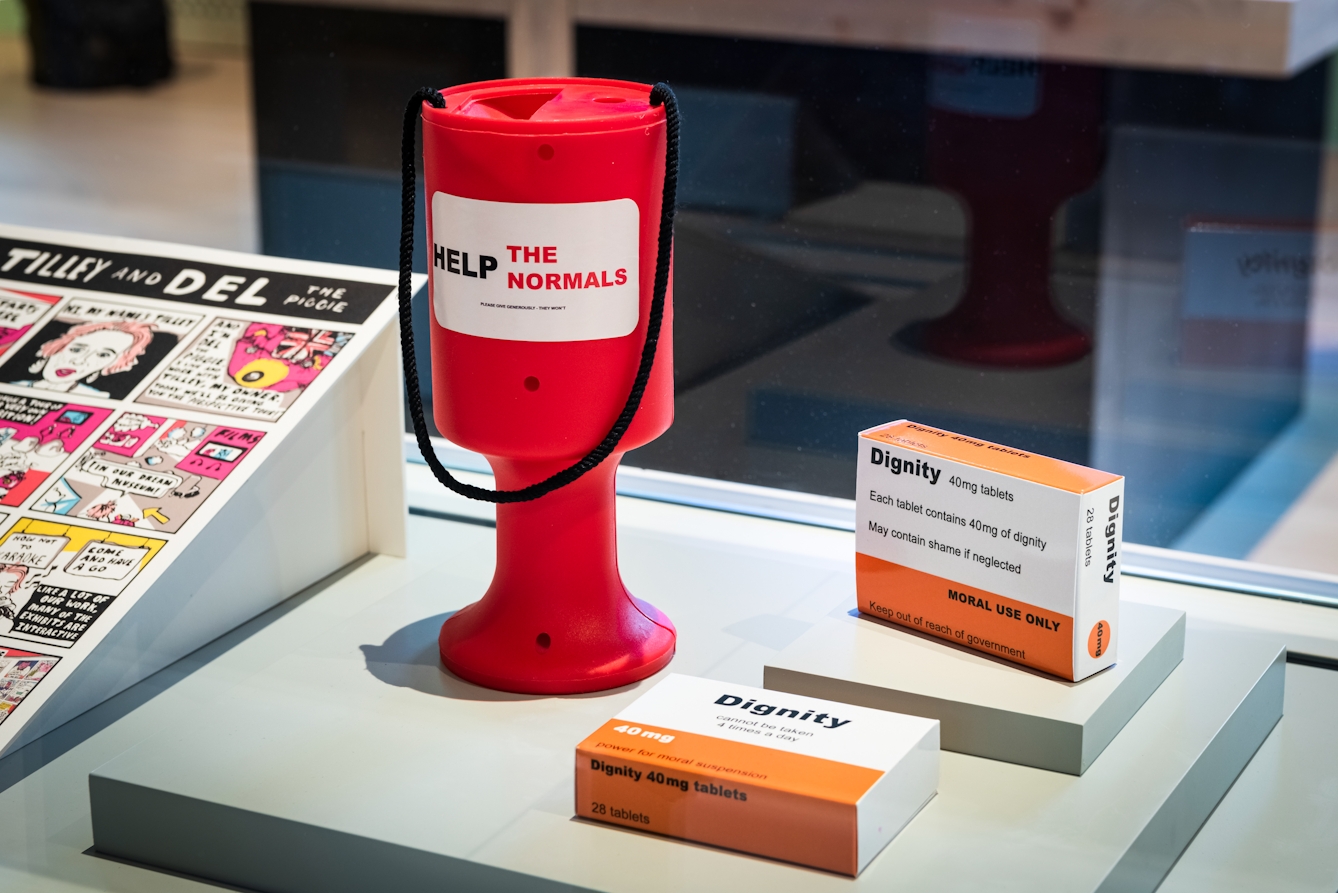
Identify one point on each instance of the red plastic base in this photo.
(557, 618)
(1013, 173)
(504, 656)
(1047, 341)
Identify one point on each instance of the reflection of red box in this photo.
(1245, 294)
(1013, 153)
(537, 332)
(1242, 343)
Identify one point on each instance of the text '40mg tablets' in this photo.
(997, 549)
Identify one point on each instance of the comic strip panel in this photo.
(19, 311)
(96, 349)
(148, 472)
(36, 436)
(20, 671)
(56, 578)
(254, 370)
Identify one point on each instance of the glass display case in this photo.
(1116, 263)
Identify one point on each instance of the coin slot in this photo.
(520, 106)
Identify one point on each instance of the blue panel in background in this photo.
(346, 216)
(737, 151)
(828, 426)
(1248, 273)
(1207, 250)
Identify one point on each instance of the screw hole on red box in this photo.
(531, 384)
(609, 99)
(546, 152)
(543, 640)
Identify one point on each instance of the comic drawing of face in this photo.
(88, 350)
(86, 355)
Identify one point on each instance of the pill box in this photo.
(784, 776)
(997, 549)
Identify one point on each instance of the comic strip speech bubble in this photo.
(132, 421)
(24, 410)
(106, 561)
(131, 478)
(31, 549)
(20, 310)
(97, 311)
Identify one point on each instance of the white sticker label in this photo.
(535, 272)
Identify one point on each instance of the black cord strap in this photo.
(660, 94)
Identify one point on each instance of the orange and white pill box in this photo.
(778, 775)
(1001, 550)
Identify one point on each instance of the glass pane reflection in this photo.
(1109, 266)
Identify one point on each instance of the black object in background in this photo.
(80, 44)
(329, 89)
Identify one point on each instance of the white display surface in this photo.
(1274, 829)
(352, 761)
(988, 707)
(187, 437)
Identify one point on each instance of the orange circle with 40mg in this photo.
(1098, 640)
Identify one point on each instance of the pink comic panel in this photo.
(36, 437)
(149, 472)
(253, 370)
(20, 671)
(19, 312)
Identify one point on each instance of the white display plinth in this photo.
(988, 707)
(244, 443)
(346, 765)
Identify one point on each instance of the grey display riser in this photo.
(1151, 795)
(273, 854)
(331, 492)
(1145, 864)
(1043, 742)
(270, 854)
